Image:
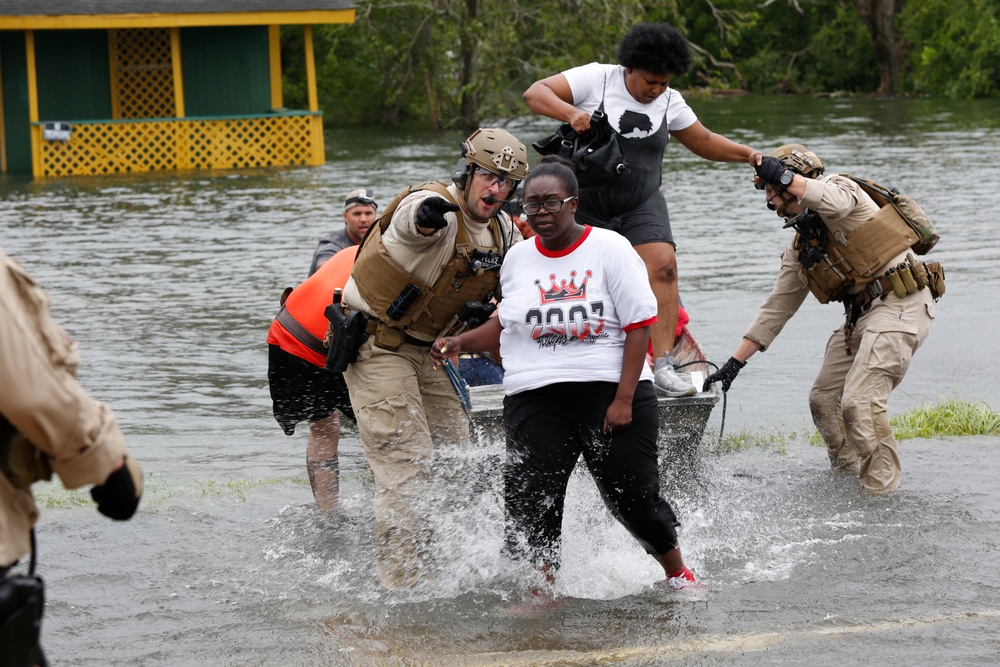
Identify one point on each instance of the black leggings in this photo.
(547, 430)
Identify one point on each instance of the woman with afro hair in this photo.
(645, 112)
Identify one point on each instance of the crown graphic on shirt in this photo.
(563, 292)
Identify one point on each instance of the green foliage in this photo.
(955, 47)
(721, 32)
(822, 48)
(840, 52)
(460, 61)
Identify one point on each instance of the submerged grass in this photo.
(951, 417)
(237, 487)
(768, 440)
(156, 491)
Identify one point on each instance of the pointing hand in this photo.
(430, 215)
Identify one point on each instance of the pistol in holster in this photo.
(345, 337)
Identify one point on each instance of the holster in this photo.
(347, 335)
(22, 602)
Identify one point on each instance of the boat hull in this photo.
(682, 420)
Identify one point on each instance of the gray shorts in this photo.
(648, 222)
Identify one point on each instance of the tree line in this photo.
(451, 63)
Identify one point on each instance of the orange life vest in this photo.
(303, 324)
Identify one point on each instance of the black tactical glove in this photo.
(726, 374)
(119, 496)
(770, 170)
(430, 215)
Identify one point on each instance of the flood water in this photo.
(169, 283)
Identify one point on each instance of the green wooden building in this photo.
(92, 87)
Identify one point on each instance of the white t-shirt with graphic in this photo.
(565, 314)
(629, 117)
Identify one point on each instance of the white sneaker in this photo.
(668, 382)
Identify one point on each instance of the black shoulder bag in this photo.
(598, 156)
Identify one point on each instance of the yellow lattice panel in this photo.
(143, 74)
(227, 143)
(249, 142)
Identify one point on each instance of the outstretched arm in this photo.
(481, 339)
(707, 144)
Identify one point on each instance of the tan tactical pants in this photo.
(850, 396)
(409, 416)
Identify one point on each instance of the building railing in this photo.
(99, 147)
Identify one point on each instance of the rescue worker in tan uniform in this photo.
(48, 424)
(846, 249)
(436, 248)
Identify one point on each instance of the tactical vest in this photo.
(905, 205)
(851, 261)
(380, 279)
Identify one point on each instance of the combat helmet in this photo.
(495, 150)
(799, 159)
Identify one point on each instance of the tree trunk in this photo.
(468, 53)
(879, 16)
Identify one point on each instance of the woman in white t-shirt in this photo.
(645, 112)
(573, 328)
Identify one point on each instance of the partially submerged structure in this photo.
(92, 87)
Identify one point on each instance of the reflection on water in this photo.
(169, 283)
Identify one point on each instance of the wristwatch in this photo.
(786, 178)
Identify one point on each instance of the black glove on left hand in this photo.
(770, 170)
(430, 214)
(118, 497)
(726, 374)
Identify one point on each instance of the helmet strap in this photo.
(786, 199)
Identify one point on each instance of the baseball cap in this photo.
(360, 197)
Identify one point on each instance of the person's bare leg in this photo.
(661, 266)
(322, 461)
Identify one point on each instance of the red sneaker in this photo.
(683, 579)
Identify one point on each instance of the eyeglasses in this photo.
(503, 183)
(550, 205)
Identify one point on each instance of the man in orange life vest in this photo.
(301, 387)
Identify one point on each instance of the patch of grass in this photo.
(156, 491)
(954, 416)
(50, 495)
(768, 440)
(951, 417)
(237, 487)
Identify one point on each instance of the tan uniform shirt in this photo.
(40, 397)
(843, 207)
(424, 257)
